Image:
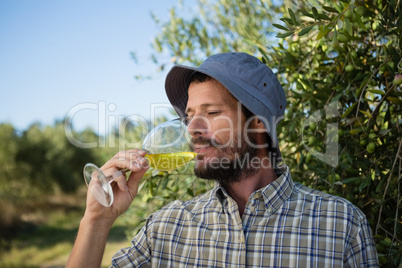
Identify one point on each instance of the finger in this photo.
(121, 180)
(132, 154)
(140, 152)
(118, 174)
(124, 159)
(135, 177)
(138, 167)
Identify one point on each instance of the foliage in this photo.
(350, 54)
(222, 26)
(34, 164)
(41, 161)
(339, 63)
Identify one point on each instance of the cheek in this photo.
(226, 133)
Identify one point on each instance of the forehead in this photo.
(209, 93)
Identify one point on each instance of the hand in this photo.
(124, 190)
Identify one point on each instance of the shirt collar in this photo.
(278, 191)
(274, 194)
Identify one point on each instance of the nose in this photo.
(198, 126)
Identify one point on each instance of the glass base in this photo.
(98, 184)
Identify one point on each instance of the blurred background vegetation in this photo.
(323, 52)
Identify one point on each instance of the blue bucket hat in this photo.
(249, 80)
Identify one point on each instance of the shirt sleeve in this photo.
(362, 251)
(139, 254)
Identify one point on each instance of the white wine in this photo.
(169, 161)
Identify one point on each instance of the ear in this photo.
(257, 125)
(257, 129)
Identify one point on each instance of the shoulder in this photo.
(326, 204)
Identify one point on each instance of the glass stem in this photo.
(117, 174)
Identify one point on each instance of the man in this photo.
(256, 216)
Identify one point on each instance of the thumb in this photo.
(135, 179)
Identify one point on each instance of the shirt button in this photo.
(257, 195)
(252, 209)
(240, 239)
(269, 210)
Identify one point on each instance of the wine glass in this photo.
(167, 148)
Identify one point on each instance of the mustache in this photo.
(204, 142)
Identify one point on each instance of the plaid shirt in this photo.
(284, 225)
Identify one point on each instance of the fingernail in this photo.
(144, 163)
(135, 164)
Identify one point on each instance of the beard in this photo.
(232, 164)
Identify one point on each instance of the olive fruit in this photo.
(370, 147)
(349, 68)
(311, 140)
(372, 135)
(398, 79)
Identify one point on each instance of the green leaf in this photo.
(151, 188)
(315, 13)
(366, 113)
(363, 84)
(364, 184)
(306, 30)
(394, 99)
(376, 91)
(349, 180)
(337, 97)
(190, 192)
(348, 26)
(384, 132)
(324, 17)
(164, 184)
(308, 15)
(361, 24)
(355, 131)
(293, 17)
(280, 27)
(349, 110)
(287, 20)
(330, 9)
(334, 37)
(284, 35)
(380, 185)
(323, 32)
(305, 83)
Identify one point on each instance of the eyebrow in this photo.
(206, 105)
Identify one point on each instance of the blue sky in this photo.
(56, 56)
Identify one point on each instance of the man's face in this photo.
(216, 125)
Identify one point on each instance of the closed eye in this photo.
(187, 119)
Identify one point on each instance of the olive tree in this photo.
(340, 65)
